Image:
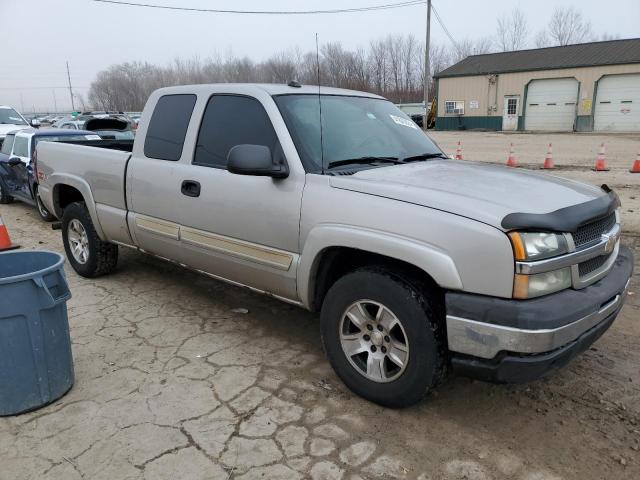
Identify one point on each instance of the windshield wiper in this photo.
(363, 160)
(423, 156)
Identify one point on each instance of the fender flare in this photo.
(429, 258)
(85, 190)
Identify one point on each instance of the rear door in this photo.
(154, 178)
(239, 227)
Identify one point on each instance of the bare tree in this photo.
(542, 39)
(567, 26)
(609, 36)
(483, 45)
(512, 31)
(392, 66)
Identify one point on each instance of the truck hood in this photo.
(479, 191)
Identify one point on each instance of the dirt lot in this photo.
(176, 380)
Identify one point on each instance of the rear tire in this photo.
(88, 255)
(42, 210)
(393, 367)
(4, 197)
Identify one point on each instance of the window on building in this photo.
(168, 127)
(512, 106)
(228, 121)
(455, 107)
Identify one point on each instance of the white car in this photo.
(10, 120)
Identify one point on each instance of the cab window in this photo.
(21, 146)
(228, 121)
(7, 144)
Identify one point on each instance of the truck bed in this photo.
(99, 169)
(123, 145)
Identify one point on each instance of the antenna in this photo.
(319, 105)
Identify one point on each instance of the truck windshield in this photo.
(11, 117)
(357, 131)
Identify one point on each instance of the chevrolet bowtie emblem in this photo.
(610, 241)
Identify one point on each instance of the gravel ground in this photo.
(182, 377)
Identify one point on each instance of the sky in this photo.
(40, 36)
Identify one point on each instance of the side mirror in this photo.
(13, 161)
(255, 160)
(35, 123)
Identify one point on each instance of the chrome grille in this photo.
(591, 231)
(591, 265)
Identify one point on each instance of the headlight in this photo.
(528, 246)
(534, 246)
(530, 286)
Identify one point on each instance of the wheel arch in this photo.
(72, 190)
(332, 251)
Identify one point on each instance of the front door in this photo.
(242, 228)
(510, 113)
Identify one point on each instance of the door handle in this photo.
(190, 188)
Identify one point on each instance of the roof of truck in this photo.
(272, 89)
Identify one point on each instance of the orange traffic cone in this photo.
(635, 168)
(601, 161)
(5, 241)
(511, 161)
(458, 152)
(548, 160)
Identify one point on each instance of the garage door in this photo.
(551, 104)
(617, 106)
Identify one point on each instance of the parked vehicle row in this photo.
(18, 161)
(337, 202)
(18, 155)
(10, 120)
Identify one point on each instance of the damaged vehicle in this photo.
(335, 200)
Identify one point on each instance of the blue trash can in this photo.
(36, 366)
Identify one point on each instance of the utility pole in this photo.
(427, 69)
(55, 102)
(73, 107)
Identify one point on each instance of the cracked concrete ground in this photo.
(175, 381)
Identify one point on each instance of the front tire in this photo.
(384, 336)
(88, 255)
(42, 210)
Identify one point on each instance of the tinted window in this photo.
(20, 147)
(229, 121)
(168, 127)
(7, 144)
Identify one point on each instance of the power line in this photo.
(370, 8)
(445, 29)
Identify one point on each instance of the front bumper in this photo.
(520, 340)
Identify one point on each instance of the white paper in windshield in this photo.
(92, 137)
(403, 121)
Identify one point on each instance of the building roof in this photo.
(611, 52)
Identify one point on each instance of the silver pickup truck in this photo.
(335, 201)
